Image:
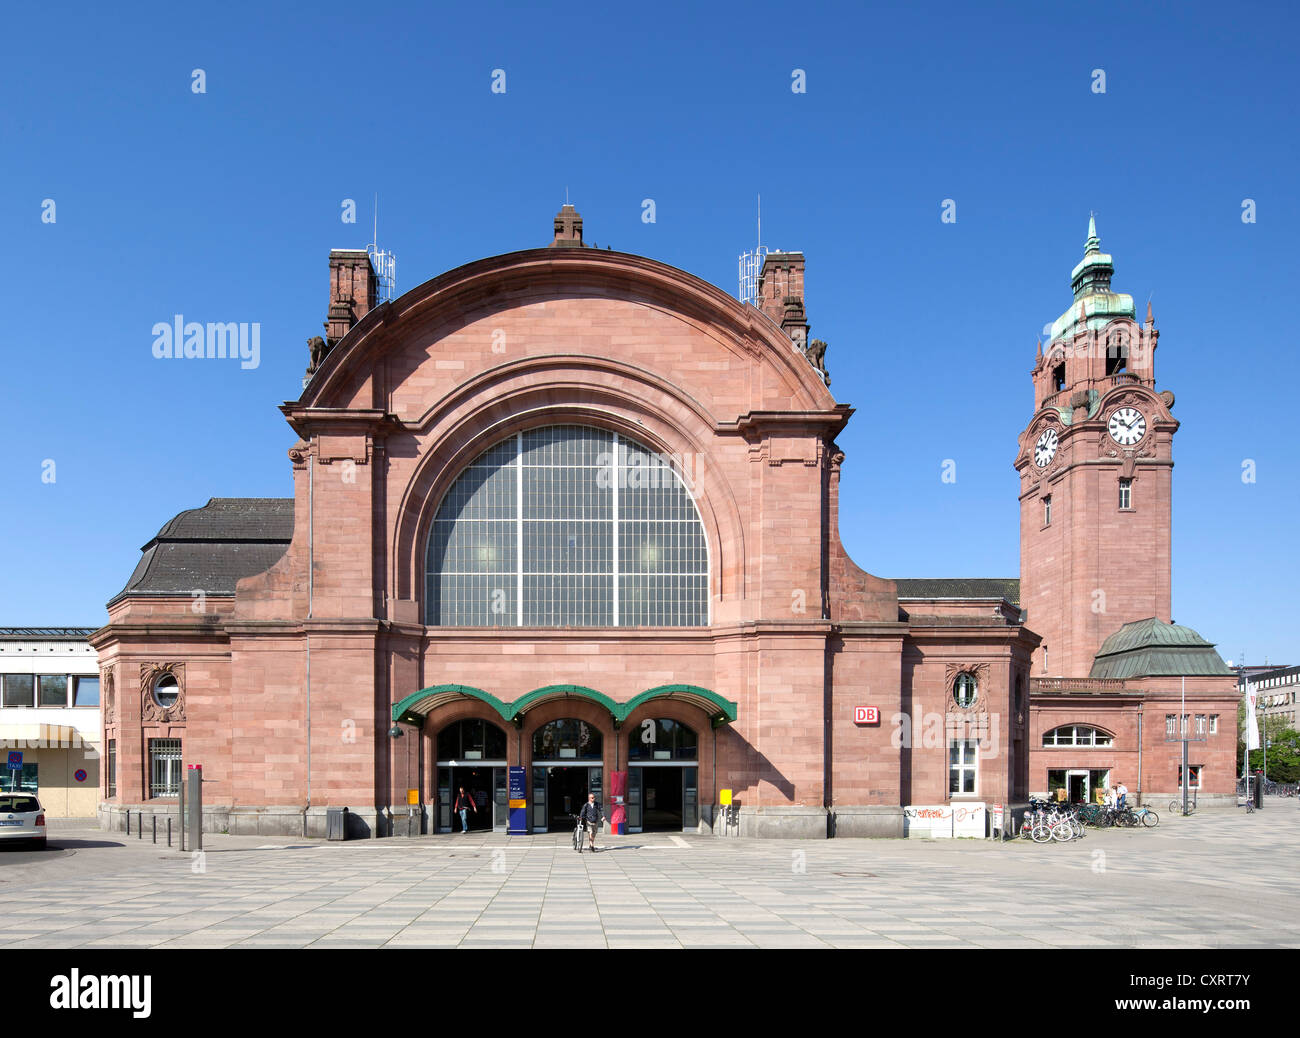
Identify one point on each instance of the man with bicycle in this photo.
(591, 817)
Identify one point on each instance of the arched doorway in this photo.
(568, 763)
(663, 776)
(471, 756)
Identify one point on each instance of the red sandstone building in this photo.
(576, 511)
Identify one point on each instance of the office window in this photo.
(86, 692)
(1126, 493)
(1047, 510)
(19, 690)
(54, 689)
(1214, 724)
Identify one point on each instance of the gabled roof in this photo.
(1151, 647)
(212, 548)
(961, 587)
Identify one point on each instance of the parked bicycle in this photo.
(1176, 807)
(578, 834)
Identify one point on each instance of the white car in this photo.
(22, 818)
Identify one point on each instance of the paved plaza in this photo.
(1217, 879)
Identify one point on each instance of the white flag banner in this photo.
(1252, 728)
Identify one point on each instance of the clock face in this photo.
(1127, 426)
(1045, 448)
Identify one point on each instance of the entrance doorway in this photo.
(478, 782)
(1081, 785)
(559, 791)
(472, 754)
(662, 798)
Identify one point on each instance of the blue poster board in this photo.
(518, 823)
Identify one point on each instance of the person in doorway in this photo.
(464, 805)
(1121, 794)
(591, 817)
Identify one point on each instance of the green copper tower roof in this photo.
(1093, 299)
(1151, 647)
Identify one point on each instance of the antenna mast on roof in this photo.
(385, 264)
(751, 263)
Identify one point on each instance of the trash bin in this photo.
(336, 823)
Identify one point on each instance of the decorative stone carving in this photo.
(981, 673)
(319, 351)
(816, 354)
(149, 708)
(106, 682)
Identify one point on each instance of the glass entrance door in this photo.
(1077, 785)
(559, 791)
(500, 800)
(663, 798)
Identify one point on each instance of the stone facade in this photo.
(292, 675)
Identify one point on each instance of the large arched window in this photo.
(568, 526)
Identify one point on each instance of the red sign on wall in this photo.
(866, 715)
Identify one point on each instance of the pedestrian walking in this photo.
(591, 817)
(464, 805)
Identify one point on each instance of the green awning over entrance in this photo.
(418, 705)
(720, 710)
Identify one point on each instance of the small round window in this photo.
(166, 691)
(964, 689)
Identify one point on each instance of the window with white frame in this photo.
(963, 766)
(1214, 724)
(1171, 724)
(1201, 724)
(1193, 776)
(1077, 735)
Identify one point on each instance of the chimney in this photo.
(780, 294)
(352, 292)
(568, 229)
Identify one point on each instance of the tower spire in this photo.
(1093, 244)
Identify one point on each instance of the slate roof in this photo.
(1151, 647)
(210, 549)
(961, 587)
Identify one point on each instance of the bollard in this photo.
(128, 822)
(169, 830)
(139, 827)
(155, 828)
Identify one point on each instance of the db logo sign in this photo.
(866, 715)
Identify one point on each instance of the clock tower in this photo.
(1095, 466)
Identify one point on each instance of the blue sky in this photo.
(224, 206)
